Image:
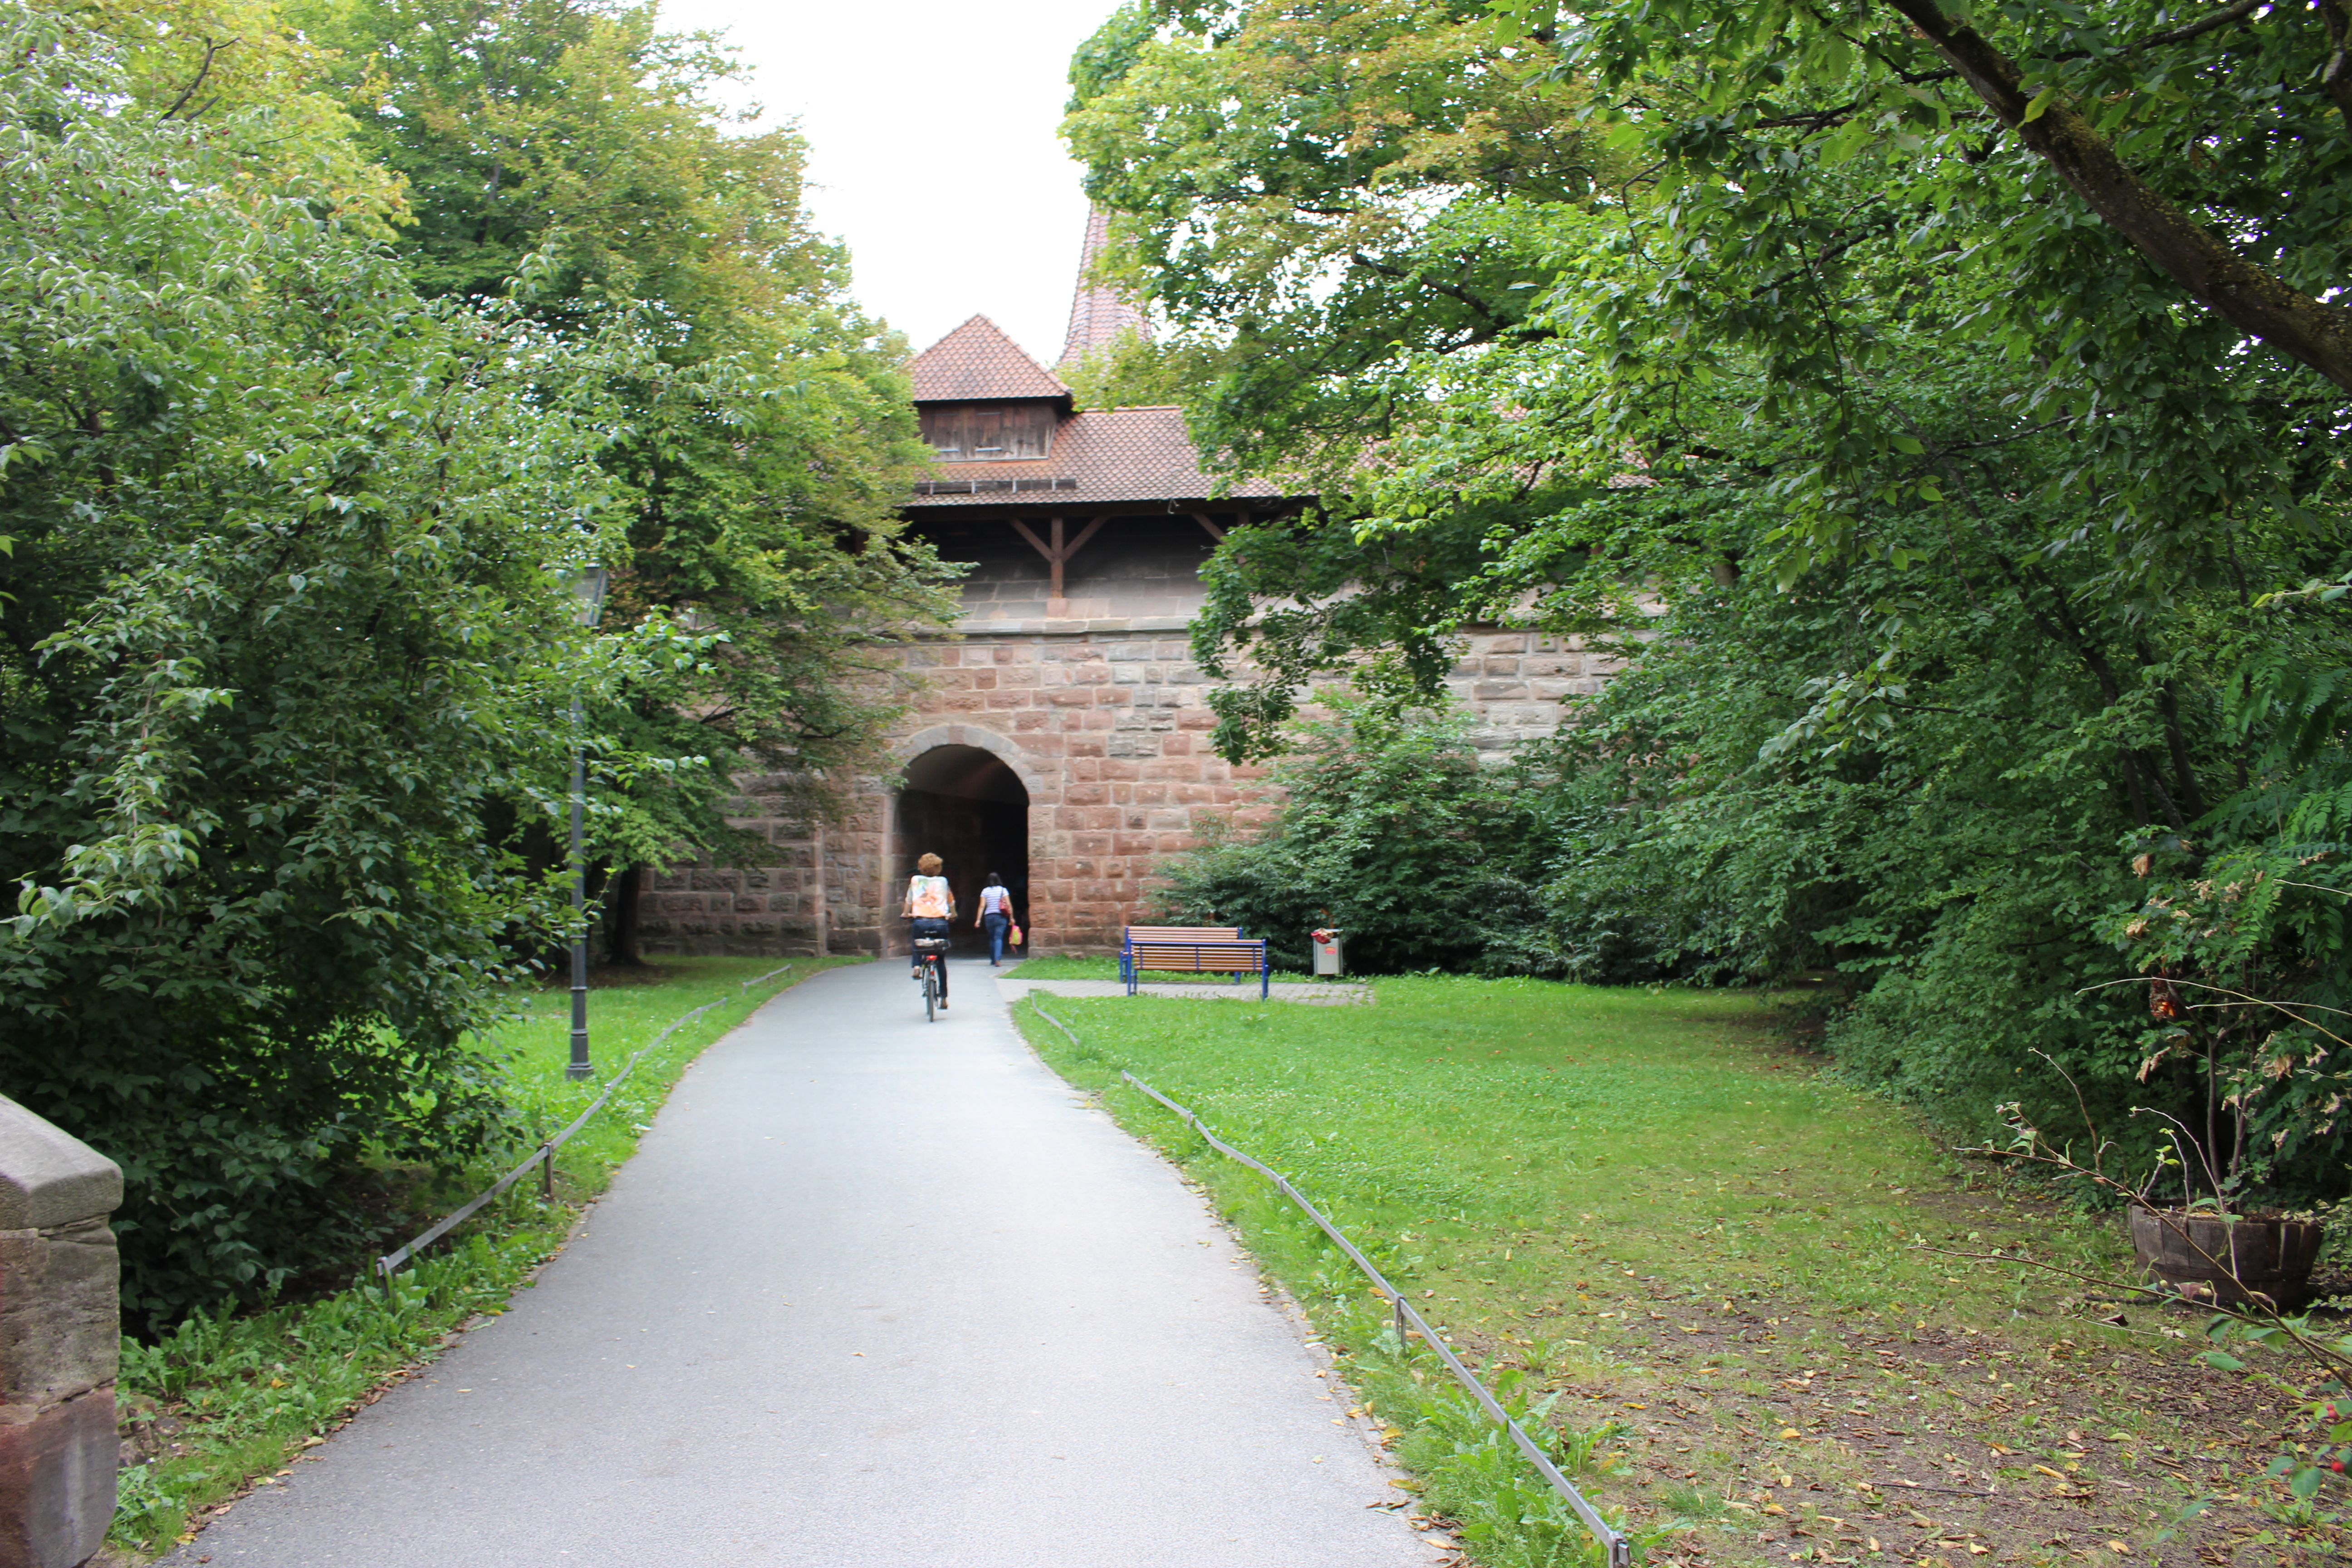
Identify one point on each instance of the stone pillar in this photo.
(60, 1335)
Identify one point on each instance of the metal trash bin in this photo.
(1330, 958)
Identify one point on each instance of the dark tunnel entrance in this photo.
(965, 806)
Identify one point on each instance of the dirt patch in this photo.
(1865, 1441)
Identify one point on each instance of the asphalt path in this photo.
(875, 1292)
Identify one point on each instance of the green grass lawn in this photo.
(235, 1395)
(1713, 1255)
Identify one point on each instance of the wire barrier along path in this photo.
(873, 1293)
(1619, 1550)
(388, 1266)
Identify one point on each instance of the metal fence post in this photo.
(579, 1067)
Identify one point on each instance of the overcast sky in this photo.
(934, 153)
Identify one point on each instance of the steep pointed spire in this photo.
(1098, 316)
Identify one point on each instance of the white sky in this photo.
(934, 151)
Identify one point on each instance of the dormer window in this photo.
(990, 432)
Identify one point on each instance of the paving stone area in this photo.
(1323, 995)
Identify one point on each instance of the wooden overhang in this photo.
(1011, 447)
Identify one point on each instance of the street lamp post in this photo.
(588, 585)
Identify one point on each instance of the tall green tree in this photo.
(1956, 546)
(569, 154)
(285, 621)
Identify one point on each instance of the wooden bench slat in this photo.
(1162, 958)
(1130, 936)
(1192, 949)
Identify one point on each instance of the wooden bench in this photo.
(1131, 934)
(1192, 949)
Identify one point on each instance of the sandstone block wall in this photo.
(1106, 722)
(60, 1336)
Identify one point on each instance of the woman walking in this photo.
(931, 905)
(995, 916)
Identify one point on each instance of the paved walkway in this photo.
(1326, 993)
(873, 1294)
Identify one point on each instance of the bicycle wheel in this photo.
(931, 990)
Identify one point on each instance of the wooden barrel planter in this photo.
(2200, 1253)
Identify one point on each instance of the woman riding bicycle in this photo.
(931, 905)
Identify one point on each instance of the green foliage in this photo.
(285, 620)
(569, 152)
(2280, 1355)
(1390, 830)
(1320, 197)
(1951, 555)
(337, 338)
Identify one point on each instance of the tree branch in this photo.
(203, 70)
(2198, 29)
(2245, 295)
(2336, 78)
(2184, 771)
(1496, 323)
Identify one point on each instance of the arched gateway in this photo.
(1064, 701)
(967, 806)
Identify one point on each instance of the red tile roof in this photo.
(1098, 316)
(976, 361)
(1115, 454)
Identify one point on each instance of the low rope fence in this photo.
(1408, 1321)
(543, 1157)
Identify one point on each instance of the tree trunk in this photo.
(622, 947)
(2247, 296)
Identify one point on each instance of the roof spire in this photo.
(1098, 316)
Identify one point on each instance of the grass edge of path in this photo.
(1464, 1474)
(1718, 1521)
(283, 1378)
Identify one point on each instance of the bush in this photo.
(286, 623)
(1392, 831)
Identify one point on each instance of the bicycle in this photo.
(930, 952)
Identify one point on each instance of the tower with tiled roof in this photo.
(1027, 479)
(1059, 736)
(1099, 315)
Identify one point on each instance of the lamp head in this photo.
(588, 585)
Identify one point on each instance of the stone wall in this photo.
(1105, 723)
(60, 1335)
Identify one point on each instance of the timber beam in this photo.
(1058, 552)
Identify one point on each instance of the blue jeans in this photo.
(996, 926)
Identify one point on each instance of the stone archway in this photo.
(970, 808)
